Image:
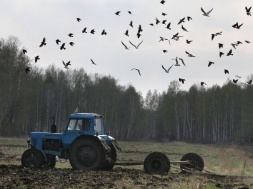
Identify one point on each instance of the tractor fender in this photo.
(95, 138)
(42, 152)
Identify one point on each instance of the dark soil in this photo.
(15, 176)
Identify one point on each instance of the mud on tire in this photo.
(108, 165)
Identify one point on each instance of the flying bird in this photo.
(70, 34)
(235, 80)
(164, 14)
(93, 62)
(167, 70)
(135, 45)
(189, 18)
(71, 43)
(129, 12)
(237, 26)
(188, 41)
(126, 33)
(139, 29)
(202, 83)
(84, 30)
(234, 45)
(215, 34)
(165, 51)
(24, 51)
(131, 24)
(43, 42)
(230, 52)
(27, 70)
(210, 63)
(248, 11)
(189, 54)
(182, 61)
(184, 29)
(66, 64)
(57, 41)
(78, 19)
(92, 31)
(168, 26)
(117, 13)
(221, 53)
(126, 47)
(181, 80)
(181, 20)
(176, 36)
(176, 59)
(249, 82)
(157, 21)
(246, 41)
(37, 58)
(103, 32)
(226, 71)
(220, 45)
(162, 2)
(138, 35)
(63, 46)
(206, 13)
(137, 70)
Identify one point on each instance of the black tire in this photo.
(86, 154)
(50, 163)
(196, 163)
(109, 164)
(32, 158)
(157, 163)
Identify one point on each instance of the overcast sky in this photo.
(30, 21)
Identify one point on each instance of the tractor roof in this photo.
(85, 115)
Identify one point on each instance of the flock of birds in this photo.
(175, 37)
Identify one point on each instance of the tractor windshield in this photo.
(75, 124)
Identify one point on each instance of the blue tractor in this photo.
(83, 142)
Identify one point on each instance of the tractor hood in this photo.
(37, 138)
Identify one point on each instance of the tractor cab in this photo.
(86, 123)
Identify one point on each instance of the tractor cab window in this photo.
(86, 124)
(75, 124)
(98, 125)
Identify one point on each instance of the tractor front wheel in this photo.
(32, 158)
(86, 154)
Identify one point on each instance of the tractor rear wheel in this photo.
(32, 158)
(109, 164)
(157, 163)
(86, 154)
(195, 163)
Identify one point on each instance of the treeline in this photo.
(28, 102)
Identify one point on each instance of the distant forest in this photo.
(28, 102)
